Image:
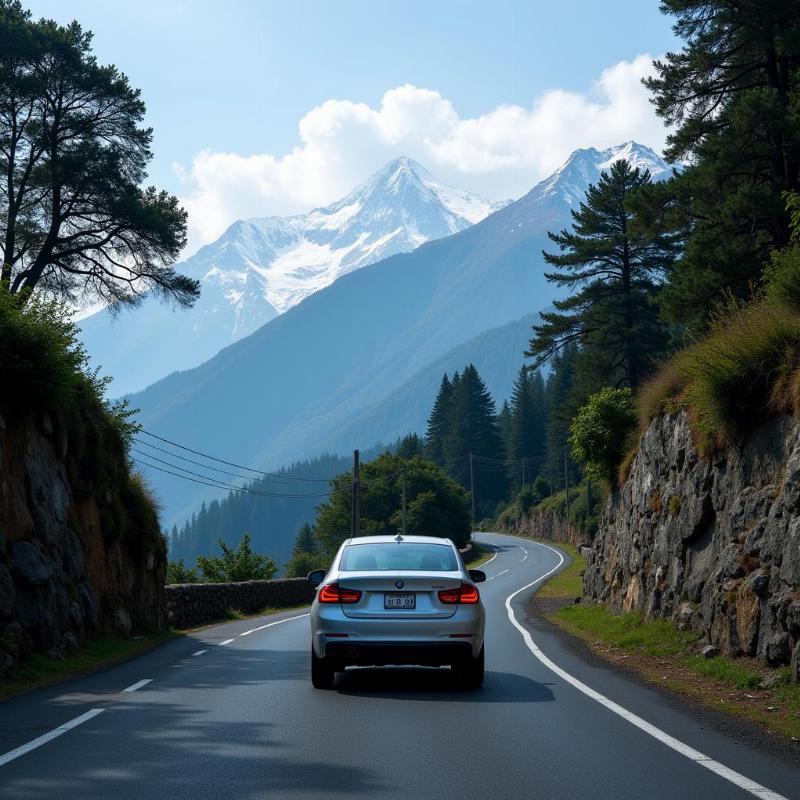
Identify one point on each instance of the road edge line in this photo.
(48, 737)
(677, 745)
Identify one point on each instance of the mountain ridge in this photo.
(261, 267)
(273, 396)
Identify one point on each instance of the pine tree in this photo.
(731, 96)
(410, 446)
(525, 446)
(504, 423)
(561, 406)
(616, 271)
(473, 430)
(438, 422)
(305, 541)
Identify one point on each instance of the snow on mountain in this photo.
(260, 268)
(395, 211)
(584, 167)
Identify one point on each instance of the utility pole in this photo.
(566, 483)
(405, 508)
(472, 484)
(355, 513)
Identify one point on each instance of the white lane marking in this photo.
(49, 736)
(227, 641)
(199, 653)
(138, 685)
(524, 550)
(499, 574)
(670, 741)
(271, 624)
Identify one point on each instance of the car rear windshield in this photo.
(399, 556)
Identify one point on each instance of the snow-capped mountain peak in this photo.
(395, 210)
(585, 165)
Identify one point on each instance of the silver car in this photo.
(397, 600)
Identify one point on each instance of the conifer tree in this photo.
(504, 423)
(438, 422)
(525, 446)
(473, 430)
(730, 96)
(615, 270)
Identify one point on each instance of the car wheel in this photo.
(469, 673)
(322, 672)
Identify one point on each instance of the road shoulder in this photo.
(707, 701)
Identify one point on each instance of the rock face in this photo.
(65, 572)
(715, 546)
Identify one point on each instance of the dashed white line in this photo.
(678, 746)
(138, 685)
(227, 641)
(499, 574)
(49, 736)
(199, 653)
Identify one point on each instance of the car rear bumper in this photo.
(382, 653)
(464, 629)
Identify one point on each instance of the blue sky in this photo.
(237, 77)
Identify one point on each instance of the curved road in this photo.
(230, 712)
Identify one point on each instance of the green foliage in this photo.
(301, 563)
(615, 266)
(305, 555)
(472, 429)
(178, 572)
(744, 369)
(76, 221)
(438, 421)
(782, 274)
(730, 95)
(236, 565)
(437, 506)
(525, 442)
(600, 431)
(410, 446)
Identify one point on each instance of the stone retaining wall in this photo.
(190, 604)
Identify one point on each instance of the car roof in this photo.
(408, 539)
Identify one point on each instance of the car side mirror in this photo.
(477, 575)
(316, 577)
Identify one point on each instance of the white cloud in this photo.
(500, 154)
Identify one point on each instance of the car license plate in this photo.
(400, 600)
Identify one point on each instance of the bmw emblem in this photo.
(399, 584)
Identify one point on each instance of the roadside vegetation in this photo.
(40, 670)
(664, 655)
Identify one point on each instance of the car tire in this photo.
(322, 672)
(469, 673)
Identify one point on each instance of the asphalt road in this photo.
(230, 712)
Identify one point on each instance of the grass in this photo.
(665, 655)
(744, 370)
(568, 584)
(482, 555)
(627, 631)
(657, 650)
(39, 670)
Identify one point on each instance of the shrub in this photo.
(178, 572)
(303, 562)
(600, 431)
(236, 565)
(746, 368)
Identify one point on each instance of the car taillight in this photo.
(333, 593)
(466, 593)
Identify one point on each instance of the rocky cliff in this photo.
(713, 545)
(80, 547)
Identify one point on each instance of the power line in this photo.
(231, 463)
(197, 463)
(217, 484)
